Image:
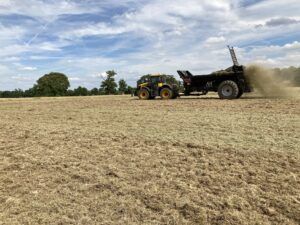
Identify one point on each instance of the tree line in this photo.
(57, 84)
(291, 74)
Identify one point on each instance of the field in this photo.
(117, 160)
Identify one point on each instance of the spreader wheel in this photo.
(166, 94)
(144, 94)
(228, 89)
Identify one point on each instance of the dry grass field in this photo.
(117, 160)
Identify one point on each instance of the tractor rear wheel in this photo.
(166, 94)
(228, 89)
(144, 94)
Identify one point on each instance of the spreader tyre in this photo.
(144, 94)
(166, 93)
(228, 89)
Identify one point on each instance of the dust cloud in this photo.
(266, 83)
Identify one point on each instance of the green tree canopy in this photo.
(296, 80)
(95, 91)
(122, 86)
(291, 74)
(81, 91)
(109, 86)
(130, 90)
(52, 84)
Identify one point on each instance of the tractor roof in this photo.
(156, 75)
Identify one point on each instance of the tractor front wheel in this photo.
(166, 94)
(144, 94)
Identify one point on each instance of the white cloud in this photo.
(29, 68)
(271, 8)
(215, 42)
(152, 36)
(10, 59)
(74, 79)
(159, 17)
(275, 55)
(47, 46)
(14, 51)
(21, 78)
(4, 70)
(103, 75)
(45, 10)
(11, 33)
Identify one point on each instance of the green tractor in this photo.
(151, 86)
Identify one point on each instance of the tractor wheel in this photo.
(228, 89)
(166, 94)
(144, 94)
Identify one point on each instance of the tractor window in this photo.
(155, 79)
(158, 79)
(144, 80)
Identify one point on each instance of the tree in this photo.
(109, 86)
(31, 92)
(52, 84)
(5, 94)
(130, 90)
(70, 92)
(81, 91)
(17, 93)
(122, 86)
(296, 80)
(95, 91)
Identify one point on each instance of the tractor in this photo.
(152, 86)
(229, 84)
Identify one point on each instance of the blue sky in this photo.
(85, 38)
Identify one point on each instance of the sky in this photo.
(85, 38)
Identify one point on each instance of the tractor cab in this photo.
(156, 79)
(152, 79)
(151, 86)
